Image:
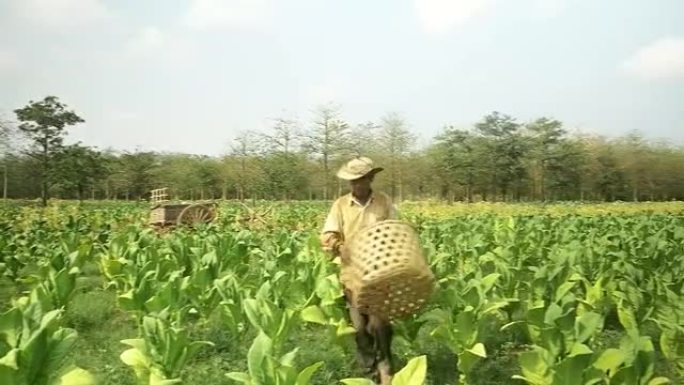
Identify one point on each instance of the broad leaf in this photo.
(314, 314)
(413, 373)
(357, 381)
(77, 376)
(587, 325)
(304, 377)
(610, 360)
(240, 377)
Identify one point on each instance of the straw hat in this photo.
(358, 168)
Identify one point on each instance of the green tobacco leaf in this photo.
(7, 375)
(314, 314)
(535, 366)
(552, 340)
(159, 379)
(413, 373)
(489, 281)
(580, 350)
(289, 358)
(625, 376)
(659, 381)
(586, 325)
(672, 344)
(10, 326)
(610, 360)
(135, 358)
(357, 381)
(564, 289)
(304, 377)
(257, 356)
(59, 346)
(65, 284)
(468, 358)
(627, 319)
(77, 376)
(466, 327)
(553, 313)
(240, 377)
(9, 360)
(571, 369)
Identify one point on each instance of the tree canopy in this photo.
(498, 158)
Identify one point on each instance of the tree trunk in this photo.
(4, 182)
(325, 176)
(44, 172)
(635, 193)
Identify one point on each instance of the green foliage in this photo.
(551, 294)
(414, 373)
(34, 348)
(266, 369)
(43, 123)
(162, 352)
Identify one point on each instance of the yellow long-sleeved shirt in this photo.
(348, 216)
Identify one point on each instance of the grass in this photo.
(101, 327)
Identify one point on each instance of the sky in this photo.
(189, 76)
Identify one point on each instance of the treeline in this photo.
(499, 158)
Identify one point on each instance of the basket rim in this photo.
(382, 223)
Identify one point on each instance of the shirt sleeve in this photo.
(333, 222)
(331, 233)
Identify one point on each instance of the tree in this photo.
(395, 141)
(328, 140)
(565, 170)
(458, 154)
(545, 136)
(284, 175)
(246, 171)
(44, 123)
(285, 137)
(635, 162)
(78, 168)
(363, 140)
(505, 151)
(6, 136)
(136, 174)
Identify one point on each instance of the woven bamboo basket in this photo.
(387, 274)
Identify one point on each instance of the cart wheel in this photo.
(197, 213)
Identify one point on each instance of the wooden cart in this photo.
(165, 213)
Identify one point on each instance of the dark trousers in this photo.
(373, 340)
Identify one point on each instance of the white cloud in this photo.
(210, 14)
(662, 59)
(60, 13)
(441, 16)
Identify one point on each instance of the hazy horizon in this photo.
(187, 76)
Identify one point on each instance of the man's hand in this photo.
(345, 256)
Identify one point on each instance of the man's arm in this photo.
(331, 235)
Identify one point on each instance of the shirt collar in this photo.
(353, 199)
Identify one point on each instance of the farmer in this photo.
(349, 214)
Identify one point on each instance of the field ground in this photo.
(533, 284)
